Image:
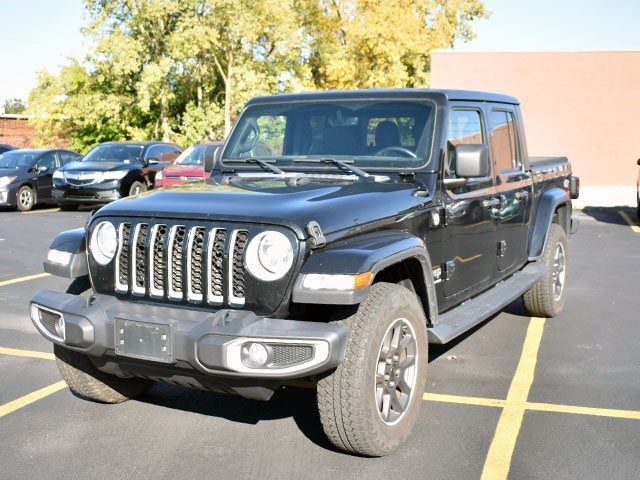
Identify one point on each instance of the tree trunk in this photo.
(228, 90)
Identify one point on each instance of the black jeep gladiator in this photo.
(339, 234)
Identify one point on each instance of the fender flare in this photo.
(549, 201)
(72, 242)
(367, 253)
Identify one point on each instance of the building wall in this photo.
(582, 105)
(15, 130)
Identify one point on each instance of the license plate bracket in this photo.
(144, 340)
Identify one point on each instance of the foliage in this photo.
(14, 106)
(181, 69)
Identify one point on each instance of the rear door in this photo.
(513, 188)
(471, 227)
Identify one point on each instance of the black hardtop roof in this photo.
(140, 144)
(400, 93)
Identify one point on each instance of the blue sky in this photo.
(37, 34)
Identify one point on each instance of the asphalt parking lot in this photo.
(527, 398)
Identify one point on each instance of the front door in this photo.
(44, 178)
(513, 188)
(471, 224)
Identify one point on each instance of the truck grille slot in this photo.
(182, 263)
(157, 266)
(176, 244)
(217, 239)
(139, 255)
(236, 267)
(122, 263)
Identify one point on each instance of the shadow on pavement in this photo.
(610, 214)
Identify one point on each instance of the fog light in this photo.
(255, 355)
(59, 326)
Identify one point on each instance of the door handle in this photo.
(521, 194)
(493, 202)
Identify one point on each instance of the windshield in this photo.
(369, 133)
(115, 153)
(18, 158)
(192, 156)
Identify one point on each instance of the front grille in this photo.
(196, 264)
(82, 178)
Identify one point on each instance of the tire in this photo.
(137, 188)
(68, 207)
(84, 379)
(349, 404)
(25, 198)
(544, 299)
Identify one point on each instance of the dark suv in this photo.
(110, 171)
(25, 175)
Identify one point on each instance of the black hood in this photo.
(336, 205)
(98, 166)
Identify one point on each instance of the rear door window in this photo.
(504, 141)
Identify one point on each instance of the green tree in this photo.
(14, 106)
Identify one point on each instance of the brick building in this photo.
(15, 130)
(580, 104)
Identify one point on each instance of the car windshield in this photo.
(369, 133)
(18, 158)
(115, 153)
(192, 156)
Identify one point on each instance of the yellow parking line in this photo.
(4, 283)
(630, 222)
(26, 353)
(481, 402)
(45, 210)
(598, 412)
(498, 461)
(28, 399)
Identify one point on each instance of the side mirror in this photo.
(472, 160)
(210, 159)
(152, 161)
(42, 169)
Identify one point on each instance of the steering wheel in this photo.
(403, 150)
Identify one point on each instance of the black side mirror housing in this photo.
(42, 169)
(210, 159)
(472, 160)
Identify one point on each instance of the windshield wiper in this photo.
(262, 163)
(359, 172)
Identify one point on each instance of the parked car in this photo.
(26, 175)
(189, 166)
(340, 233)
(5, 148)
(110, 171)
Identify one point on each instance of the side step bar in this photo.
(467, 315)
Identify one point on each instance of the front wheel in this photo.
(547, 297)
(370, 403)
(137, 188)
(26, 198)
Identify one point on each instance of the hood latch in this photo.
(316, 239)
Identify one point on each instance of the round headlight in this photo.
(269, 255)
(104, 242)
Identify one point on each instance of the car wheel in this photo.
(547, 297)
(369, 404)
(25, 199)
(137, 188)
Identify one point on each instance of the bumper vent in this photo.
(49, 320)
(284, 355)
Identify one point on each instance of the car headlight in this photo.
(269, 255)
(104, 242)
(6, 180)
(116, 175)
(58, 174)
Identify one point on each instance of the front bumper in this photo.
(203, 343)
(71, 194)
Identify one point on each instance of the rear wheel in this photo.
(26, 198)
(370, 403)
(547, 297)
(84, 379)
